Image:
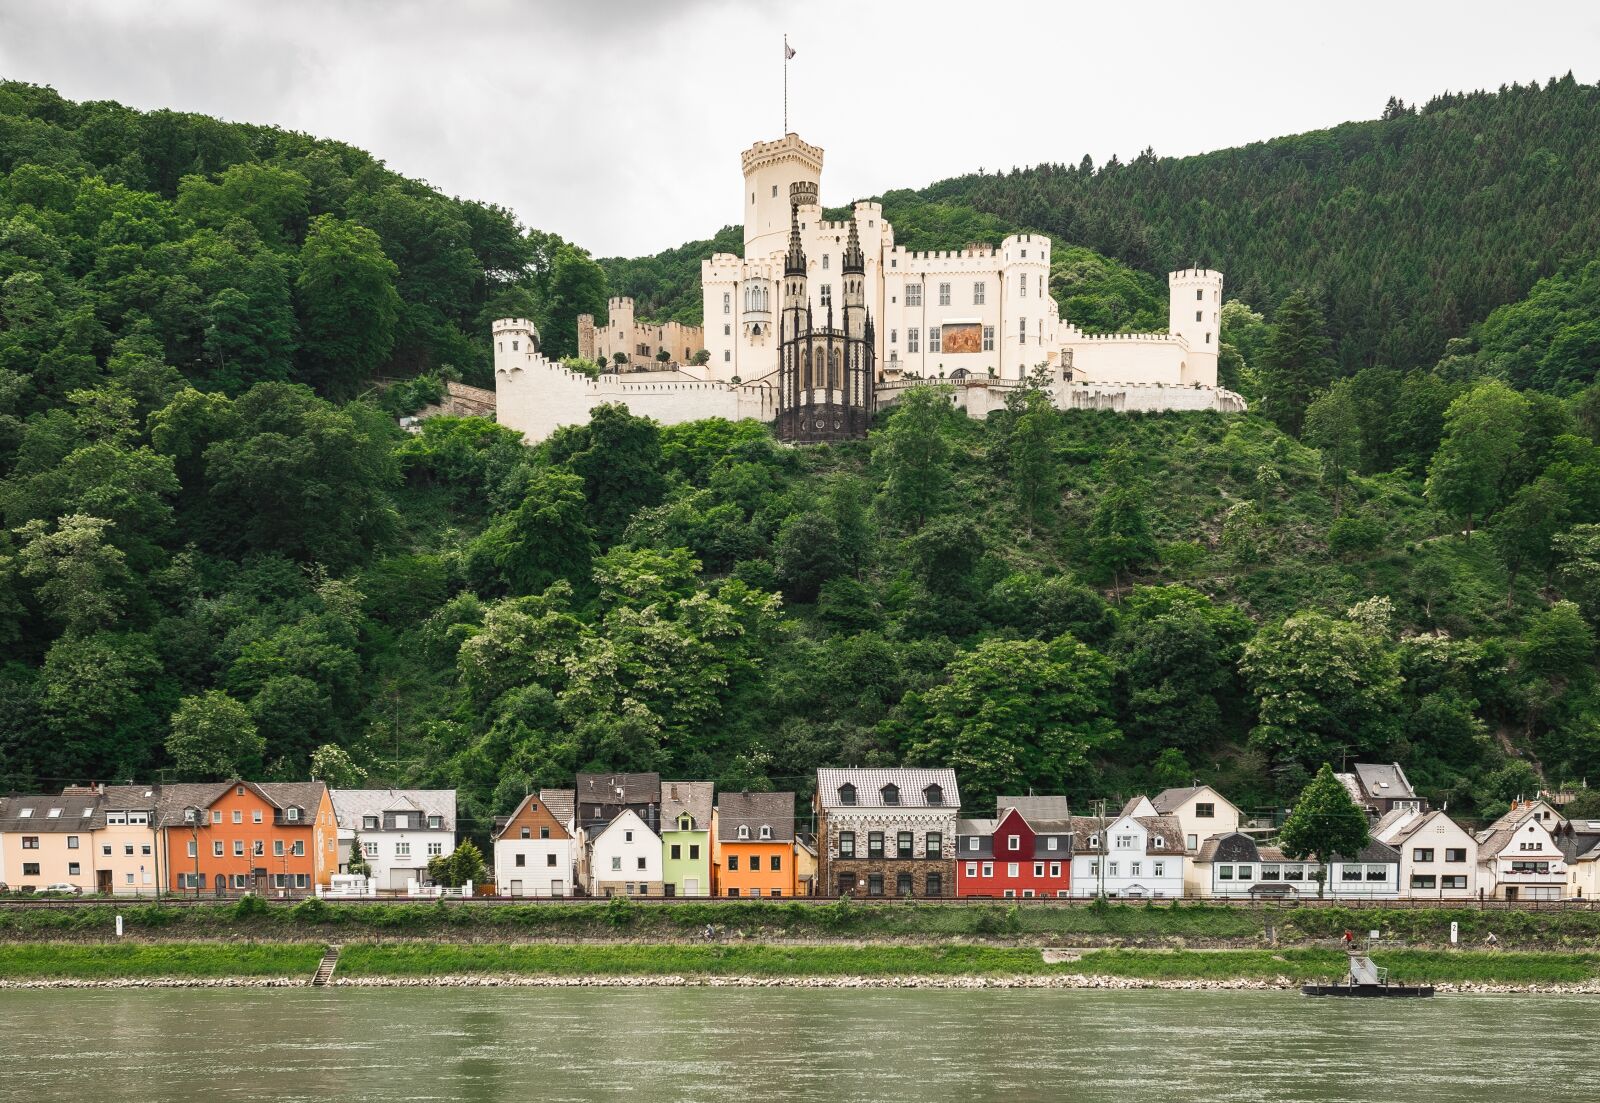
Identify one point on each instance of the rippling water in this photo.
(780, 1044)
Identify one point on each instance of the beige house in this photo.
(1521, 862)
(1201, 812)
(49, 840)
(126, 848)
(1438, 857)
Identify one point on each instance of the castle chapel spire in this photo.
(854, 262)
(795, 263)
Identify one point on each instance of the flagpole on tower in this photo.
(788, 52)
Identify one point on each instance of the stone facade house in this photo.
(887, 832)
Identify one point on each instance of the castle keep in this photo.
(822, 321)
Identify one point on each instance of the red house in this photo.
(1024, 852)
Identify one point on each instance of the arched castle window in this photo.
(833, 369)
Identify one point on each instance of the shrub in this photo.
(311, 910)
(249, 907)
(620, 912)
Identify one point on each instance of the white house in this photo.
(535, 847)
(399, 830)
(1235, 865)
(1438, 857)
(624, 858)
(1522, 862)
(1129, 856)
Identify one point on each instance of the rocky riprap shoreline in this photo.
(508, 980)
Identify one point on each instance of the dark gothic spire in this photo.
(854, 262)
(795, 263)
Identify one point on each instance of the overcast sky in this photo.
(618, 123)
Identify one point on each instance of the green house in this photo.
(686, 837)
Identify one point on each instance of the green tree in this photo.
(356, 863)
(347, 304)
(576, 285)
(332, 765)
(80, 577)
(1324, 824)
(1524, 531)
(1033, 469)
(213, 739)
(915, 457)
(1321, 687)
(1296, 362)
(547, 537)
(618, 457)
(1119, 534)
(1013, 714)
(1333, 427)
(1483, 430)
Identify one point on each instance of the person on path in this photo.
(1492, 940)
(1349, 939)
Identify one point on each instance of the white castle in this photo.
(981, 319)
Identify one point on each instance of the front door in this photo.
(516, 888)
(558, 888)
(847, 883)
(102, 882)
(1511, 892)
(691, 886)
(669, 889)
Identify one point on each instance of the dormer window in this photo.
(744, 832)
(1094, 841)
(847, 793)
(933, 795)
(685, 822)
(239, 791)
(292, 814)
(766, 832)
(1158, 842)
(890, 793)
(369, 823)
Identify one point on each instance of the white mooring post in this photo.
(119, 926)
(1455, 932)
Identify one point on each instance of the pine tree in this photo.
(1296, 363)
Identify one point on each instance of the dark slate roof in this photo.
(693, 797)
(132, 798)
(1373, 852)
(299, 794)
(755, 811)
(1035, 808)
(1235, 846)
(617, 789)
(1168, 800)
(870, 782)
(69, 808)
(173, 799)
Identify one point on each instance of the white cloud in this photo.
(619, 124)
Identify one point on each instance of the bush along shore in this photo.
(433, 963)
(1167, 924)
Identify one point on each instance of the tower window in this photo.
(774, 191)
(1199, 294)
(826, 292)
(894, 336)
(988, 338)
(944, 294)
(911, 339)
(933, 338)
(824, 262)
(726, 356)
(1022, 329)
(1208, 338)
(977, 293)
(913, 294)
(1022, 283)
(727, 330)
(513, 346)
(727, 302)
(1197, 316)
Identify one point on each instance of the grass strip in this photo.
(130, 960)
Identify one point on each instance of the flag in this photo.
(788, 50)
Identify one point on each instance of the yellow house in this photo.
(127, 853)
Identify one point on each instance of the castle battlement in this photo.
(789, 147)
(1184, 275)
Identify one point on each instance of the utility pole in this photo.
(1099, 807)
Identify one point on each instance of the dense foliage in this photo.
(220, 553)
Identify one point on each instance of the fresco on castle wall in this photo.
(965, 337)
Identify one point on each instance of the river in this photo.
(553, 1045)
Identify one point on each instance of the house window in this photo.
(1013, 842)
(874, 884)
(875, 844)
(436, 823)
(1377, 873)
(216, 849)
(1013, 869)
(933, 844)
(902, 884)
(944, 294)
(891, 794)
(627, 836)
(766, 832)
(1224, 873)
(1111, 869)
(1455, 854)
(1159, 869)
(435, 850)
(775, 863)
(369, 823)
(677, 852)
(733, 862)
(847, 793)
(847, 844)
(755, 863)
(1038, 869)
(977, 293)
(1350, 873)
(744, 832)
(1136, 869)
(216, 817)
(1159, 842)
(694, 852)
(988, 338)
(616, 862)
(733, 892)
(1422, 854)
(972, 842)
(913, 294)
(933, 338)
(1094, 868)
(1055, 869)
(1247, 873)
(988, 869)
(1205, 811)
(934, 884)
(1271, 873)
(640, 864)
(521, 860)
(238, 848)
(526, 833)
(369, 849)
(903, 845)
(972, 869)
(255, 816)
(1127, 842)
(1193, 841)
(549, 859)
(72, 842)
(544, 831)
(912, 341)
(1453, 881)
(1423, 880)
(30, 869)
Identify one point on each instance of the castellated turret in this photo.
(515, 340)
(1194, 312)
(770, 171)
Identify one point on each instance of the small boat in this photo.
(1367, 979)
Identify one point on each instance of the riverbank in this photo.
(1174, 924)
(430, 963)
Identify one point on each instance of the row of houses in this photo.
(896, 832)
(270, 838)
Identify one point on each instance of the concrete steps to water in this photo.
(325, 967)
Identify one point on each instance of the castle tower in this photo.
(1194, 312)
(516, 341)
(771, 169)
(853, 267)
(796, 313)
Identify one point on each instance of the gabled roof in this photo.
(1166, 828)
(615, 789)
(173, 799)
(503, 822)
(693, 797)
(628, 817)
(1139, 806)
(351, 805)
(1169, 801)
(1384, 780)
(976, 827)
(560, 803)
(870, 782)
(1035, 808)
(1520, 810)
(133, 798)
(57, 813)
(774, 811)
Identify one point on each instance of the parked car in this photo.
(64, 887)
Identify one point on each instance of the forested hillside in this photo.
(220, 553)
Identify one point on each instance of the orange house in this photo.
(752, 845)
(270, 838)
